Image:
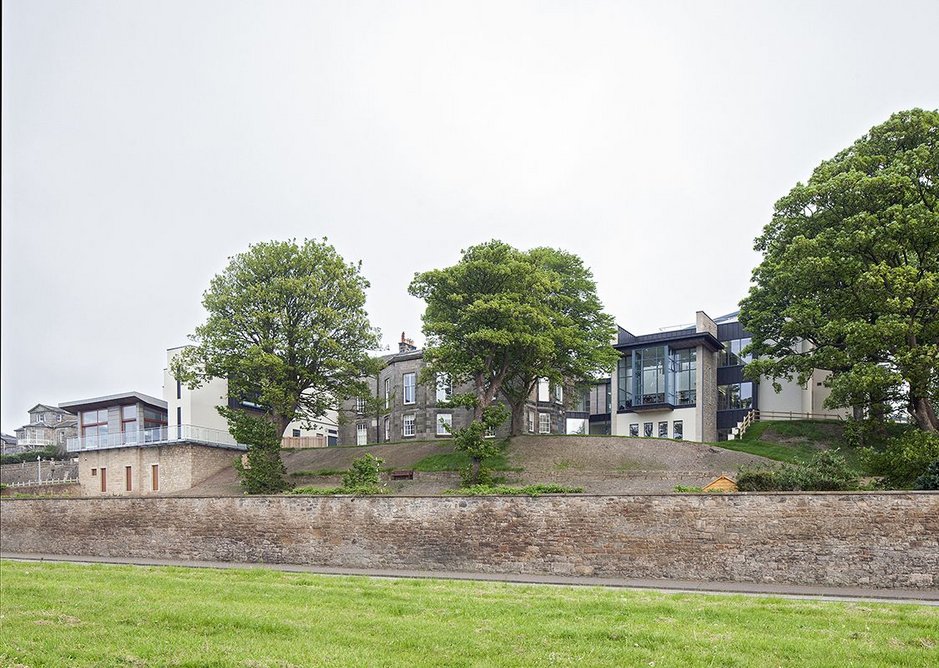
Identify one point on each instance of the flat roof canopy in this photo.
(122, 399)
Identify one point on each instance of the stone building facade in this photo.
(49, 426)
(414, 407)
(151, 469)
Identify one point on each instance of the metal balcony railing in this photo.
(184, 433)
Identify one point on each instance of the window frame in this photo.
(407, 421)
(409, 390)
(441, 422)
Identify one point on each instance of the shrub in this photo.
(361, 479)
(825, 472)
(904, 459)
(50, 452)
(929, 479)
(762, 479)
(686, 489)
(529, 490)
(363, 474)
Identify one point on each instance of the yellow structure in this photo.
(721, 484)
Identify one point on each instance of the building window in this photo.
(361, 433)
(104, 479)
(444, 387)
(531, 422)
(677, 430)
(179, 389)
(58, 417)
(444, 424)
(387, 393)
(410, 381)
(684, 368)
(544, 423)
(490, 432)
(647, 429)
(296, 433)
(730, 355)
(128, 479)
(360, 405)
(154, 477)
(94, 427)
(559, 393)
(154, 424)
(407, 426)
(94, 472)
(387, 425)
(735, 396)
(634, 429)
(544, 389)
(40, 418)
(129, 423)
(663, 429)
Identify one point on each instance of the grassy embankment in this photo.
(795, 441)
(99, 615)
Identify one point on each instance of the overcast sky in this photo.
(146, 142)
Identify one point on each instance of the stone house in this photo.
(413, 408)
(49, 426)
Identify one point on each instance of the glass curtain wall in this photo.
(657, 375)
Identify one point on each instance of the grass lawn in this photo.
(101, 615)
(454, 461)
(804, 438)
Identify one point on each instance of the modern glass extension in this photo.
(656, 377)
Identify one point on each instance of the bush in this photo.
(50, 452)
(529, 490)
(361, 479)
(686, 489)
(363, 474)
(930, 479)
(825, 472)
(904, 459)
(761, 479)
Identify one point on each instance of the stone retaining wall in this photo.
(31, 471)
(887, 540)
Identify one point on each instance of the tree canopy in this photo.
(851, 266)
(287, 328)
(503, 316)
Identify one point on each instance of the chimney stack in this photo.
(406, 345)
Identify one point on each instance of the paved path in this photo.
(918, 596)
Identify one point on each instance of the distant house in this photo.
(126, 448)
(48, 426)
(416, 410)
(8, 445)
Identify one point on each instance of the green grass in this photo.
(808, 438)
(455, 461)
(509, 490)
(100, 615)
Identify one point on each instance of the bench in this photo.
(402, 475)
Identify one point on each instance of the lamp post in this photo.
(38, 468)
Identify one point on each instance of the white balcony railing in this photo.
(184, 433)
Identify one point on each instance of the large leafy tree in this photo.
(502, 316)
(851, 266)
(581, 334)
(287, 328)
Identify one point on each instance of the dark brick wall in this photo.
(874, 540)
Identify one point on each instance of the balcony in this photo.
(184, 433)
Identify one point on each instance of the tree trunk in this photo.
(924, 414)
(475, 466)
(518, 418)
